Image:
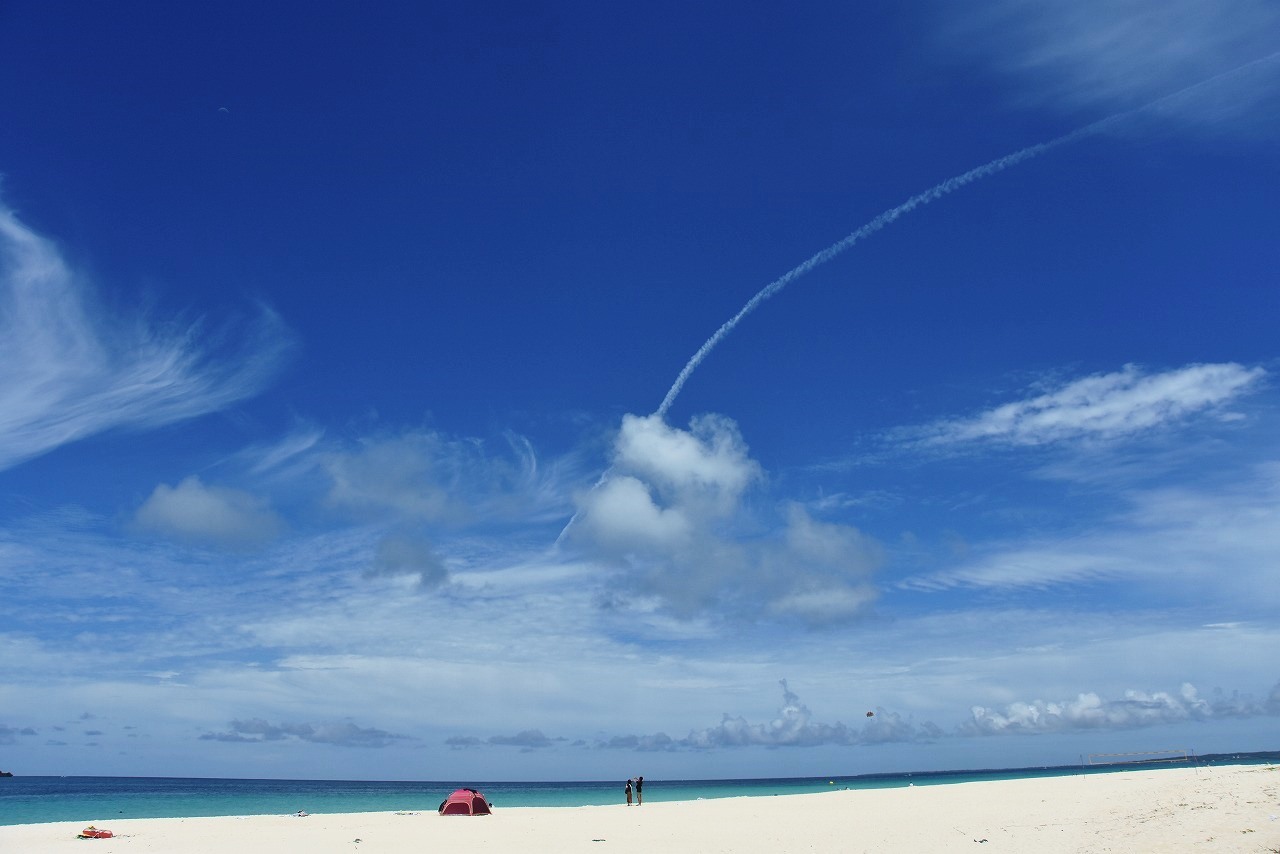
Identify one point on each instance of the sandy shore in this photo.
(1219, 809)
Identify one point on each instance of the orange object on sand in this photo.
(92, 832)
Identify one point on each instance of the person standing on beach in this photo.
(628, 792)
(639, 791)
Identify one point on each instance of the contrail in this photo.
(948, 186)
(884, 219)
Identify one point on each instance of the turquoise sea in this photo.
(31, 800)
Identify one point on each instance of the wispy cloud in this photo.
(429, 477)
(1102, 406)
(69, 369)
(1219, 540)
(1116, 55)
(284, 452)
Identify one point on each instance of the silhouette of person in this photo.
(639, 791)
(628, 792)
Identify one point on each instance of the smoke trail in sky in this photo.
(937, 192)
(886, 218)
(839, 247)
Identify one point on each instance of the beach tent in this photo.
(464, 802)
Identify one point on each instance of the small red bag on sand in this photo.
(92, 832)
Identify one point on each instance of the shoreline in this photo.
(1218, 808)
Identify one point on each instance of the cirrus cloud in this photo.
(1118, 54)
(71, 369)
(1102, 406)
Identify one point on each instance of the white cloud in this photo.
(1134, 709)
(828, 569)
(1221, 542)
(408, 474)
(528, 739)
(314, 643)
(70, 370)
(706, 465)
(672, 511)
(668, 491)
(1103, 406)
(1031, 567)
(793, 726)
(622, 514)
(193, 511)
(284, 452)
(429, 477)
(341, 733)
(409, 554)
(827, 602)
(1114, 55)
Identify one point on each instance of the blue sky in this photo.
(333, 342)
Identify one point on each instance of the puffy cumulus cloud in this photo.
(667, 487)
(1117, 55)
(195, 511)
(705, 467)
(341, 734)
(794, 726)
(1102, 406)
(672, 510)
(623, 515)
(72, 370)
(1135, 709)
(408, 554)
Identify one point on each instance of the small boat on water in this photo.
(6, 773)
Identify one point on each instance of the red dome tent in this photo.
(464, 802)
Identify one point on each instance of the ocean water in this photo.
(32, 800)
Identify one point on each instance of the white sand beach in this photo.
(1217, 809)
